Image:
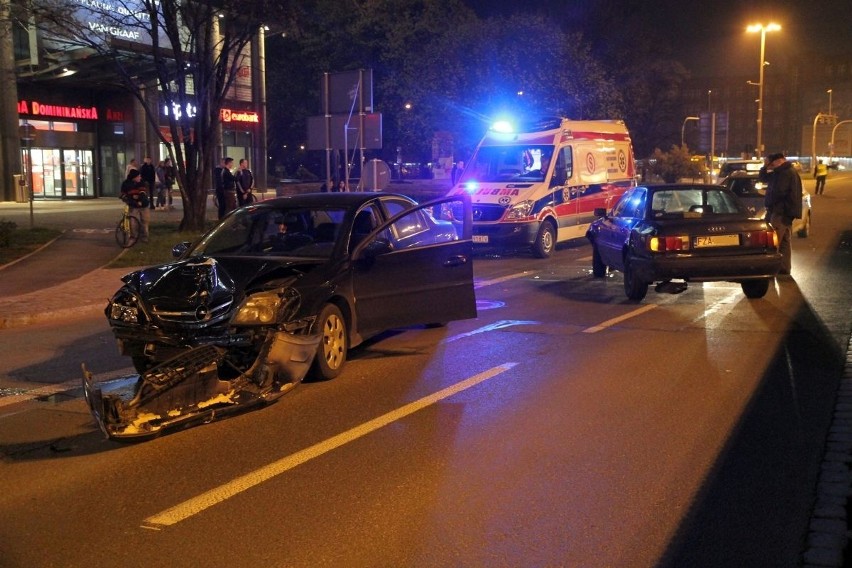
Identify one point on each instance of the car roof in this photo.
(346, 199)
(670, 186)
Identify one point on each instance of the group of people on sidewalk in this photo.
(233, 188)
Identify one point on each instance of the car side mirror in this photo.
(600, 212)
(180, 249)
(377, 247)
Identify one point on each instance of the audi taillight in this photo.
(664, 244)
(767, 238)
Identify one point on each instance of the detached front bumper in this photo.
(186, 389)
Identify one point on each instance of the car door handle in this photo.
(457, 260)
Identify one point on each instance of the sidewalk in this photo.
(65, 277)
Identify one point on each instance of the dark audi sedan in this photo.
(276, 290)
(688, 233)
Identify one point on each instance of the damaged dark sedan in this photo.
(276, 291)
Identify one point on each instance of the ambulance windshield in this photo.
(522, 163)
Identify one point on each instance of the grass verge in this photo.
(161, 239)
(24, 241)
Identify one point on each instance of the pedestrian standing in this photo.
(229, 185)
(783, 202)
(131, 166)
(245, 183)
(820, 173)
(171, 177)
(161, 185)
(149, 176)
(219, 187)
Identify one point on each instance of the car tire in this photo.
(755, 288)
(141, 363)
(334, 343)
(805, 231)
(545, 240)
(635, 289)
(598, 266)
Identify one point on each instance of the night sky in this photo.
(710, 38)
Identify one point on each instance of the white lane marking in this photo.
(584, 259)
(484, 283)
(216, 495)
(718, 305)
(610, 322)
(490, 327)
(49, 390)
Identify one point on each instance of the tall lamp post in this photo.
(762, 29)
(829, 100)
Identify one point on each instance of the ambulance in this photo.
(539, 185)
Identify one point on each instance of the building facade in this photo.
(75, 136)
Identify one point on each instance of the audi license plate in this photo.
(482, 239)
(717, 241)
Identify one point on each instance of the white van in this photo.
(541, 185)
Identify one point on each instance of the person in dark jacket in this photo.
(783, 202)
(229, 185)
(149, 176)
(245, 183)
(134, 192)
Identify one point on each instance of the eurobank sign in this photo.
(229, 115)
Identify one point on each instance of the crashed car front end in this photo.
(202, 346)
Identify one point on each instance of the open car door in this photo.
(416, 268)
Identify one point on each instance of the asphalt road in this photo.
(564, 426)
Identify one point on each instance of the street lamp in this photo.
(762, 29)
(709, 92)
(829, 100)
(683, 126)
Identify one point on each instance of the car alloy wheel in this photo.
(331, 353)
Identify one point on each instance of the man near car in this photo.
(783, 202)
(820, 173)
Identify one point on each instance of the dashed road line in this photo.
(225, 491)
(611, 322)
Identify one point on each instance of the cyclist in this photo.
(134, 192)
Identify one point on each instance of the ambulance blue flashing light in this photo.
(471, 186)
(503, 127)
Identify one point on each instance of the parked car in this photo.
(748, 187)
(747, 165)
(275, 290)
(688, 232)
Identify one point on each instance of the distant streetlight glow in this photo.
(762, 29)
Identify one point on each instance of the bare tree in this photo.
(183, 55)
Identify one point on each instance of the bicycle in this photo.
(128, 230)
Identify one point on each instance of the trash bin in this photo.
(22, 193)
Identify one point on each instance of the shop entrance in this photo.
(61, 173)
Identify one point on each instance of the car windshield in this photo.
(275, 231)
(522, 162)
(690, 202)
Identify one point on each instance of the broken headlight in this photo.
(258, 309)
(124, 307)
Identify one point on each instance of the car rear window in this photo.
(693, 202)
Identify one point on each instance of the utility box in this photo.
(22, 194)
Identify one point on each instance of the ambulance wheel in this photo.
(545, 240)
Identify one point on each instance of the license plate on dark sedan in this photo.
(717, 241)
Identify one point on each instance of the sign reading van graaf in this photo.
(102, 21)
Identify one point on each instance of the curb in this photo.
(828, 530)
(23, 320)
